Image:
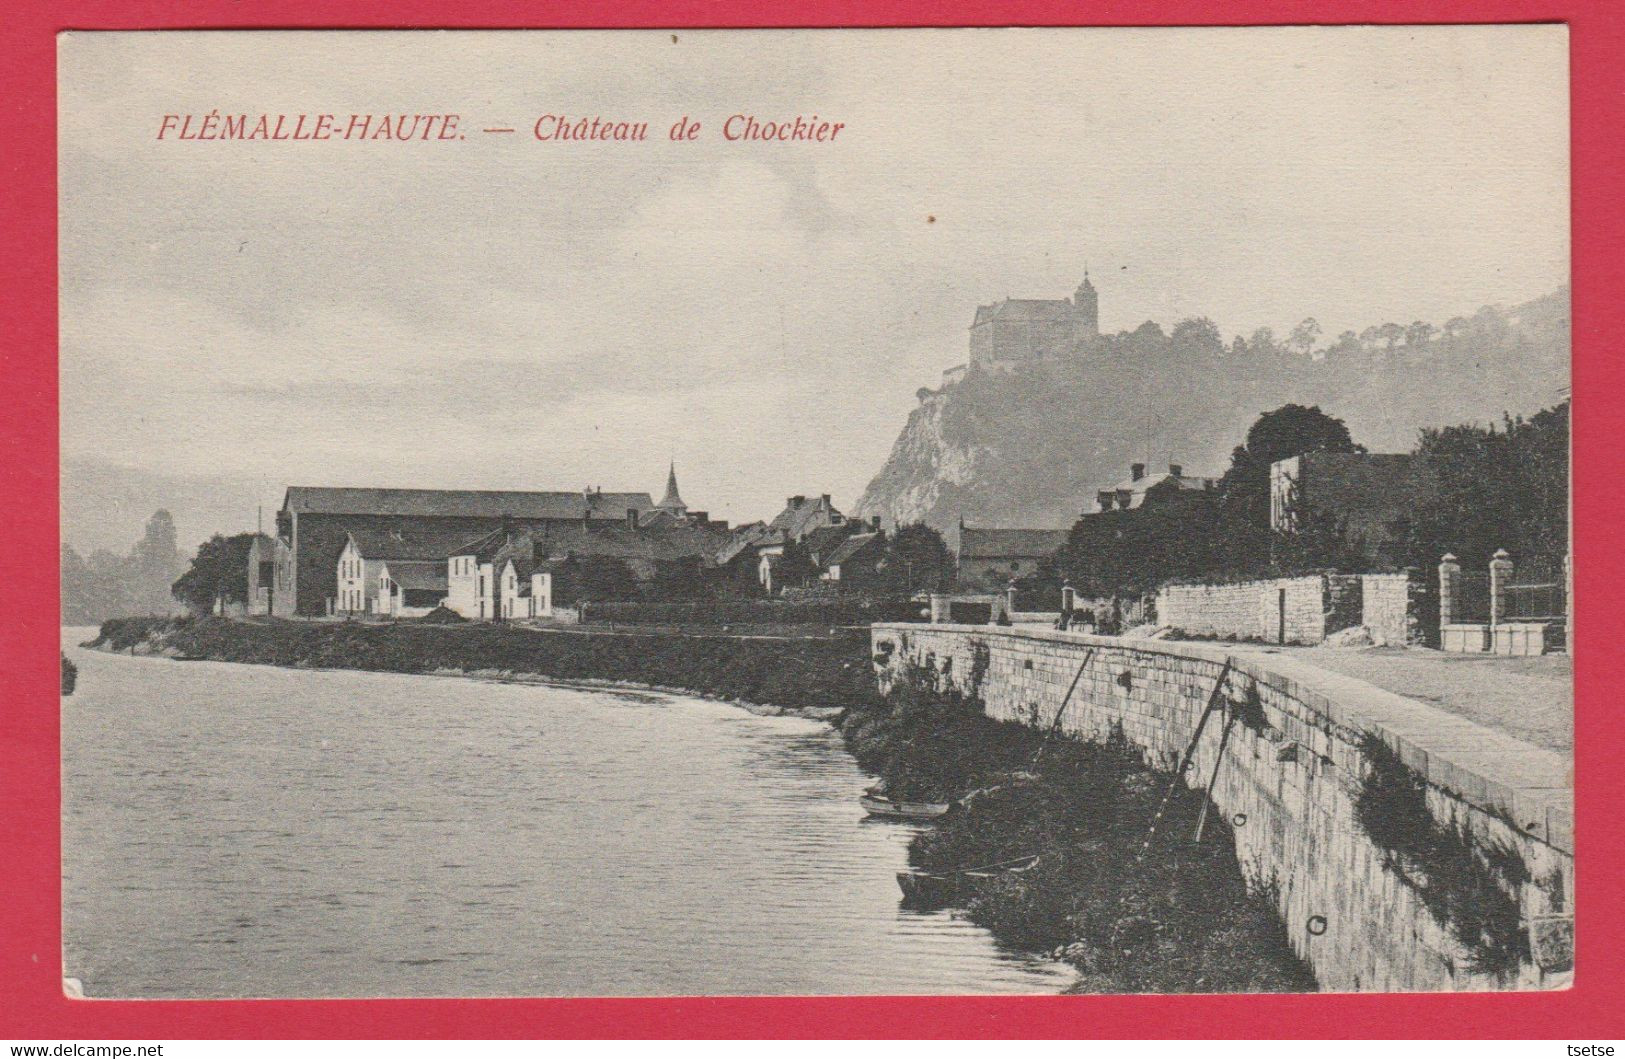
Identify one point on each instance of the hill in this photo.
(1030, 446)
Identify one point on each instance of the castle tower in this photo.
(1086, 306)
(671, 501)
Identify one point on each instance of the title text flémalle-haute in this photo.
(434, 128)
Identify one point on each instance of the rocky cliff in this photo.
(1031, 446)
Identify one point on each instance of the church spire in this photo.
(672, 501)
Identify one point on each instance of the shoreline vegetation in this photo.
(1179, 918)
(811, 677)
(1126, 897)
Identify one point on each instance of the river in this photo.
(249, 831)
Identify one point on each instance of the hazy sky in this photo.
(503, 313)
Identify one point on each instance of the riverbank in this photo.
(1179, 918)
(1121, 889)
(815, 678)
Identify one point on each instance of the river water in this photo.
(249, 831)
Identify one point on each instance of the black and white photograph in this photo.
(886, 512)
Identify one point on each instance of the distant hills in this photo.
(1030, 447)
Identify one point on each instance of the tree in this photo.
(1420, 333)
(917, 558)
(1263, 343)
(1197, 337)
(1244, 491)
(1347, 344)
(156, 554)
(219, 572)
(1390, 335)
(1304, 336)
(1506, 488)
(593, 578)
(795, 567)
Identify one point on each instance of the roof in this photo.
(1025, 309)
(742, 538)
(1009, 543)
(460, 503)
(661, 542)
(484, 548)
(1138, 489)
(410, 540)
(850, 547)
(826, 539)
(800, 512)
(418, 574)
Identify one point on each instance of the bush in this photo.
(753, 612)
(782, 672)
(70, 676)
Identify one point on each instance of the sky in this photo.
(500, 312)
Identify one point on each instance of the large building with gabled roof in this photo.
(317, 522)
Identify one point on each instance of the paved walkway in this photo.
(1531, 699)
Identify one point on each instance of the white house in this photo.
(524, 597)
(468, 582)
(357, 580)
(374, 577)
(409, 588)
(485, 581)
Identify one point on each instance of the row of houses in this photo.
(482, 553)
(499, 555)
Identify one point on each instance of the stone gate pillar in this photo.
(1501, 569)
(1449, 587)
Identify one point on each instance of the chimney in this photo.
(874, 522)
(632, 518)
(1104, 499)
(1176, 470)
(826, 499)
(796, 501)
(1136, 471)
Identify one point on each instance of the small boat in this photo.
(927, 890)
(994, 871)
(877, 803)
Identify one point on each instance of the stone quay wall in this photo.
(1288, 791)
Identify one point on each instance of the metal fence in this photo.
(1529, 602)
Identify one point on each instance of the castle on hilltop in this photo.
(1020, 330)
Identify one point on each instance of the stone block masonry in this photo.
(1296, 610)
(1281, 610)
(1289, 789)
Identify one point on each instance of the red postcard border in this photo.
(31, 1001)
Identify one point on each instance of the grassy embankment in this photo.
(798, 674)
(1181, 919)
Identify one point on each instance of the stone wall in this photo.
(1389, 606)
(1313, 607)
(1288, 791)
(1248, 610)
